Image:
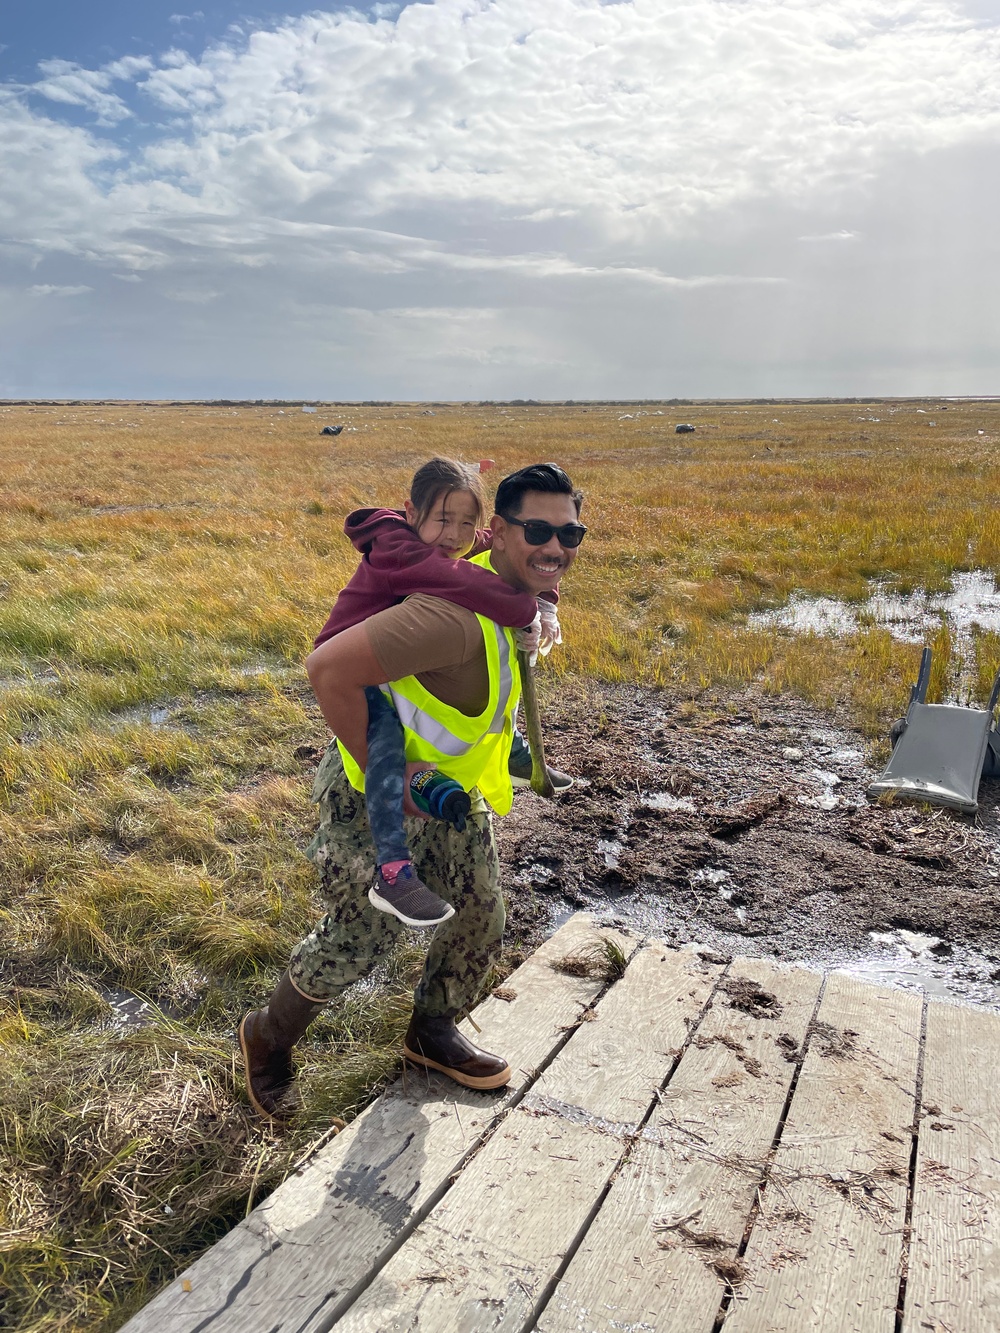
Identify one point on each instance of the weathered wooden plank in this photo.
(826, 1250)
(484, 1255)
(954, 1269)
(319, 1234)
(697, 1167)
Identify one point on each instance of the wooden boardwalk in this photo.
(691, 1145)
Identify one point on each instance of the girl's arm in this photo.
(408, 565)
(471, 586)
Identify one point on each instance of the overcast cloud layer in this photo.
(467, 199)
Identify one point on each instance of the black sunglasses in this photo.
(537, 532)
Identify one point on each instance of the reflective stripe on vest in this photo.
(484, 561)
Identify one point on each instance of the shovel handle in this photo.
(540, 780)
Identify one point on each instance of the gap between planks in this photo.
(485, 1256)
(677, 1211)
(325, 1231)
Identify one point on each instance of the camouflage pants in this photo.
(354, 936)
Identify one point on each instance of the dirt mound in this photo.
(742, 822)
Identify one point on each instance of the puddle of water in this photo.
(722, 882)
(534, 876)
(28, 680)
(912, 961)
(665, 800)
(127, 1010)
(825, 801)
(152, 715)
(898, 959)
(715, 877)
(130, 1011)
(826, 798)
(610, 849)
(972, 601)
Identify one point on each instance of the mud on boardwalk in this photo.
(740, 822)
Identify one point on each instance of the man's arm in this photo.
(339, 671)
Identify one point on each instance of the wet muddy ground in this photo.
(741, 823)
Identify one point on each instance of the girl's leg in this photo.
(384, 779)
(397, 889)
(520, 754)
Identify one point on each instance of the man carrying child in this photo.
(453, 676)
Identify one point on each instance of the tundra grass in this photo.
(163, 570)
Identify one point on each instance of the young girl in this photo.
(417, 550)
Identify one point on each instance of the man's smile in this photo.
(547, 564)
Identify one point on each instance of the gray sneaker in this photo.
(520, 774)
(410, 899)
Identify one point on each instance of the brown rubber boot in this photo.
(266, 1040)
(436, 1043)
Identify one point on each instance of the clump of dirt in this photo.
(709, 1244)
(732, 1271)
(710, 956)
(573, 965)
(863, 1189)
(740, 823)
(788, 1046)
(838, 1043)
(787, 1254)
(701, 1240)
(749, 1062)
(731, 1080)
(750, 998)
(728, 824)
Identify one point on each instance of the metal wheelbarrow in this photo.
(941, 751)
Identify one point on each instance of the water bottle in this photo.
(440, 797)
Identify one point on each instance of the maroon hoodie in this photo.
(396, 563)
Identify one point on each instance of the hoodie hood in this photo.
(363, 526)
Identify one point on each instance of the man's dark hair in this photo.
(546, 477)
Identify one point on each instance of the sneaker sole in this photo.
(384, 905)
(526, 782)
(467, 1080)
(277, 1117)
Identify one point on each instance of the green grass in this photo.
(162, 573)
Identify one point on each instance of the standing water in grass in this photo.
(971, 605)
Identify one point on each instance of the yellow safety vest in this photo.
(472, 750)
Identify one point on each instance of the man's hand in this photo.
(528, 639)
(414, 766)
(551, 633)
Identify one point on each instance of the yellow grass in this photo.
(181, 559)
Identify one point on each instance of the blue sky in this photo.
(96, 32)
(498, 198)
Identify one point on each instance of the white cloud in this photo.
(73, 85)
(593, 162)
(53, 289)
(192, 295)
(842, 235)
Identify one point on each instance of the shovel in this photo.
(540, 780)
